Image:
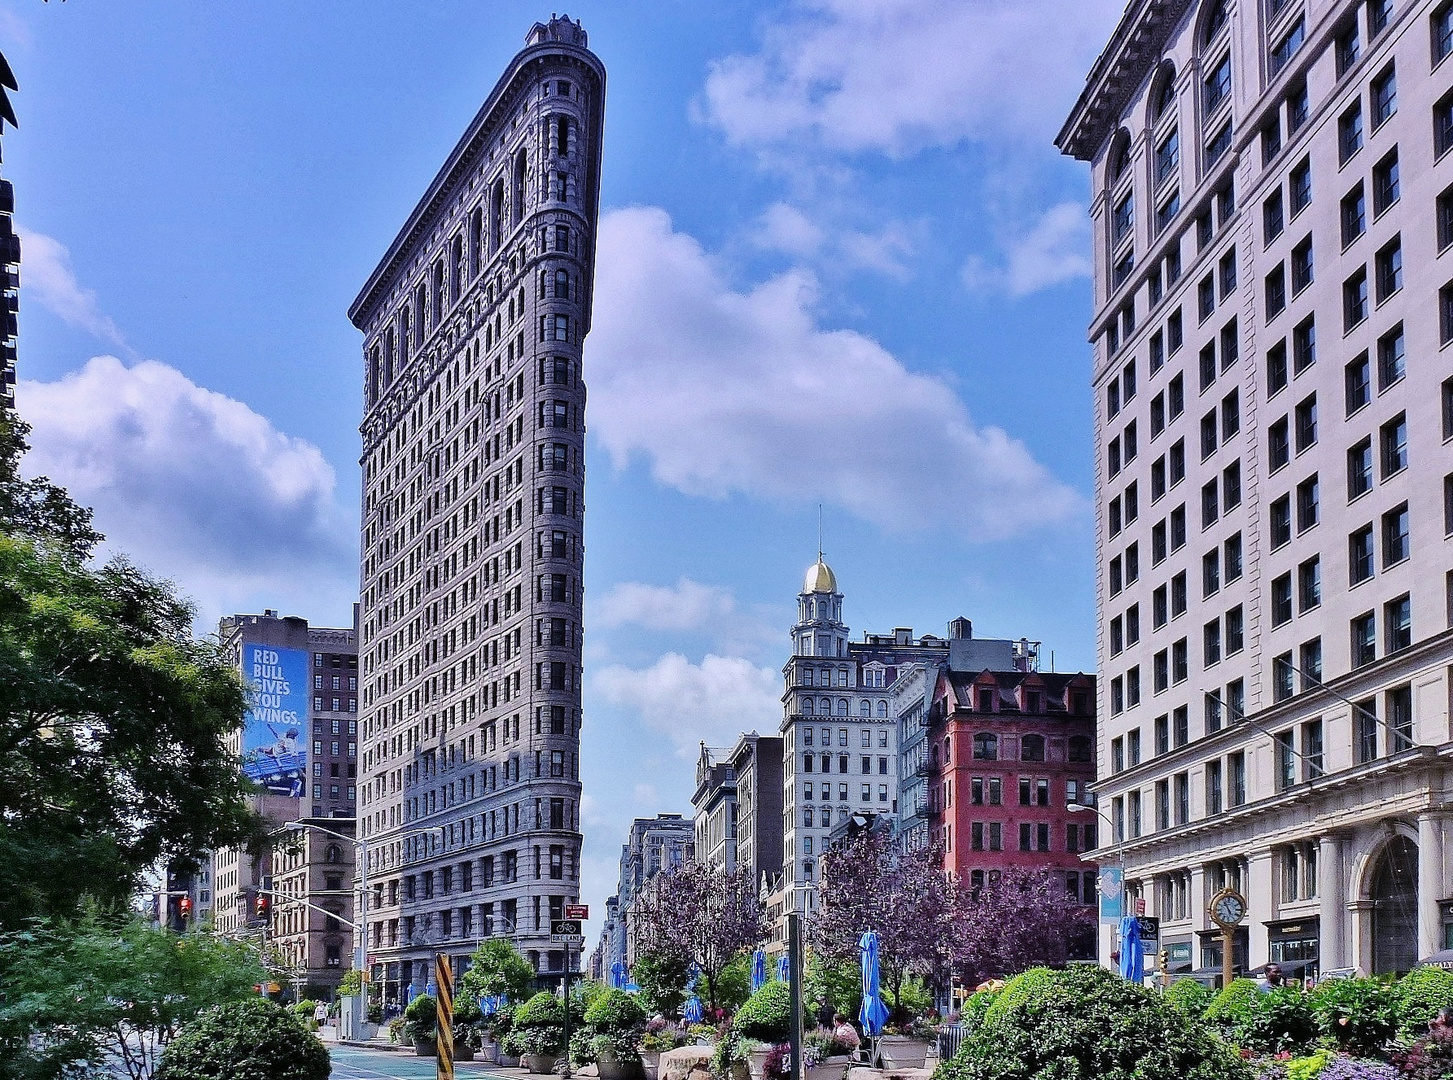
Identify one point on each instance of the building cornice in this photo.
(1134, 49)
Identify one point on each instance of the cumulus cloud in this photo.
(48, 278)
(687, 605)
(1056, 249)
(896, 76)
(786, 229)
(724, 392)
(713, 701)
(194, 485)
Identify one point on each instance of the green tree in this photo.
(113, 727)
(75, 994)
(38, 509)
(498, 968)
(251, 1038)
(662, 980)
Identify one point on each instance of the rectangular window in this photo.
(1348, 47)
(1349, 133)
(1364, 639)
(1354, 300)
(1360, 555)
(1282, 683)
(1235, 630)
(1396, 545)
(1276, 368)
(1298, 107)
(1279, 521)
(1213, 787)
(1386, 184)
(1308, 504)
(1206, 299)
(1357, 380)
(1445, 314)
(1383, 96)
(1443, 125)
(1302, 271)
(1300, 186)
(1391, 355)
(1281, 599)
(1309, 584)
(1445, 219)
(1304, 345)
(1389, 266)
(1398, 623)
(1287, 45)
(1273, 217)
(1167, 157)
(1232, 550)
(1354, 214)
(1394, 436)
(1442, 32)
(1399, 719)
(1306, 422)
(1278, 444)
(1365, 730)
(1276, 292)
(1312, 750)
(1359, 469)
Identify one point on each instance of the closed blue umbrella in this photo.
(618, 975)
(784, 968)
(873, 1014)
(1132, 950)
(759, 969)
(692, 1014)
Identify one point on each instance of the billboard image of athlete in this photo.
(274, 740)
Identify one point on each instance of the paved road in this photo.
(353, 1063)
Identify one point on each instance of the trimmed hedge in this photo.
(248, 1039)
(1189, 996)
(767, 1015)
(1419, 995)
(614, 1011)
(1086, 1022)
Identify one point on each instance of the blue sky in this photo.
(840, 263)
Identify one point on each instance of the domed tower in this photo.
(820, 630)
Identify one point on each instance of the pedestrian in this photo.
(1271, 979)
(845, 1033)
(320, 1014)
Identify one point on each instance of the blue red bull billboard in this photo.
(275, 738)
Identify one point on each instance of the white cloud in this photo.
(687, 605)
(787, 229)
(47, 277)
(728, 392)
(1056, 249)
(195, 486)
(896, 76)
(713, 701)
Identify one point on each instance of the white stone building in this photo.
(1273, 208)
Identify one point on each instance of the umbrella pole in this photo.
(794, 994)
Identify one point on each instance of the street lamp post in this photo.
(360, 937)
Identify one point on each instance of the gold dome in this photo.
(820, 578)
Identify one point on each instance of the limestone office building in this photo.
(1272, 202)
(472, 524)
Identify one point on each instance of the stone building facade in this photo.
(472, 538)
(714, 801)
(313, 902)
(1272, 207)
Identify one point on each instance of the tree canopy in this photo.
(113, 718)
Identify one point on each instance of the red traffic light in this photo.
(185, 907)
(264, 907)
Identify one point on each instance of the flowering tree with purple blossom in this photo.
(869, 883)
(1020, 918)
(702, 915)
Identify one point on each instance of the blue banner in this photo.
(1112, 894)
(275, 738)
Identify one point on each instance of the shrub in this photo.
(1231, 1003)
(1419, 995)
(1430, 1058)
(1088, 1022)
(421, 1018)
(1189, 996)
(1021, 988)
(1277, 1022)
(249, 1038)
(614, 1011)
(542, 1010)
(767, 1015)
(1358, 1015)
(972, 1014)
(1346, 1068)
(1310, 1067)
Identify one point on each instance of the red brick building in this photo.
(1009, 752)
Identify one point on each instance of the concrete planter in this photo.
(463, 1053)
(610, 1067)
(488, 1051)
(757, 1063)
(424, 1047)
(833, 1068)
(544, 1064)
(508, 1061)
(651, 1063)
(902, 1052)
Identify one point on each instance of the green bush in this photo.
(1231, 1004)
(1277, 1022)
(975, 1008)
(1419, 995)
(247, 1039)
(1310, 1067)
(1086, 1022)
(1358, 1015)
(614, 1011)
(1021, 988)
(542, 1010)
(421, 1018)
(767, 1015)
(1189, 996)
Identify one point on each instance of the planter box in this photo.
(463, 1053)
(508, 1061)
(901, 1052)
(367, 1031)
(833, 1068)
(544, 1064)
(757, 1063)
(651, 1063)
(489, 1051)
(424, 1047)
(610, 1067)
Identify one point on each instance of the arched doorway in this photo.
(1394, 896)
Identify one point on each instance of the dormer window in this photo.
(984, 698)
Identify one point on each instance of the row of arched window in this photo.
(824, 707)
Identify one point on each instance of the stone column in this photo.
(1334, 949)
(1430, 882)
(1261, 905)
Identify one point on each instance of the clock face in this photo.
(1228, 909)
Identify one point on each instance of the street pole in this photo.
(1228, 968)
(794, 993)
(360, 937)
(566, 997)
(444, 1018)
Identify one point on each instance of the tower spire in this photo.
(819, 532)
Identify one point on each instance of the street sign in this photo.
(1149, 928)
(566, 932)
(1140, 905)
(577, 911)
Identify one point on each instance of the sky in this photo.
(840, 266)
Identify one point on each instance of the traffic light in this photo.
(264, 908)
(184, 908)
